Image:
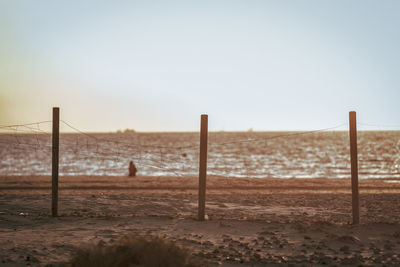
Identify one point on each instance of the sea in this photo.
(229, 154)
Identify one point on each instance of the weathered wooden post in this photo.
(354, 167)
(54, 170)
(203, 166)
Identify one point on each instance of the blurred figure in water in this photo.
(132, 169)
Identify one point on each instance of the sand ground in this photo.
(251, 222)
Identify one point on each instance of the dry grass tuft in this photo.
(133, 251)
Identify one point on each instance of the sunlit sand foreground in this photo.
(251, 222)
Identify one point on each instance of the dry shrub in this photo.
(133, 251)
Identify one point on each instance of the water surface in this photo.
(234, 154)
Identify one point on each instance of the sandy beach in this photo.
(251, 222)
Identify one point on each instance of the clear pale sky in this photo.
(158, 65)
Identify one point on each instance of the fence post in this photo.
(354, 167)
(54, 169)
(203, 166)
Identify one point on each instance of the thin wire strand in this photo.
(378, 125)
(21, 125)
(25, 144)
(277, 136)
(125, 143)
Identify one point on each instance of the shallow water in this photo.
(234, 154)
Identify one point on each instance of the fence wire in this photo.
(26, 150)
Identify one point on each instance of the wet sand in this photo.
(251, 222)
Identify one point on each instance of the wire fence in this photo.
(25, 149)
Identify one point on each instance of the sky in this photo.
(159, 65)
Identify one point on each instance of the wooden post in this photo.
(203, 167)
(54, 170)
(354, 167)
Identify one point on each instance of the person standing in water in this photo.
(132, 169)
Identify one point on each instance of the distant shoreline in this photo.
(196, 132)
(215, 184)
